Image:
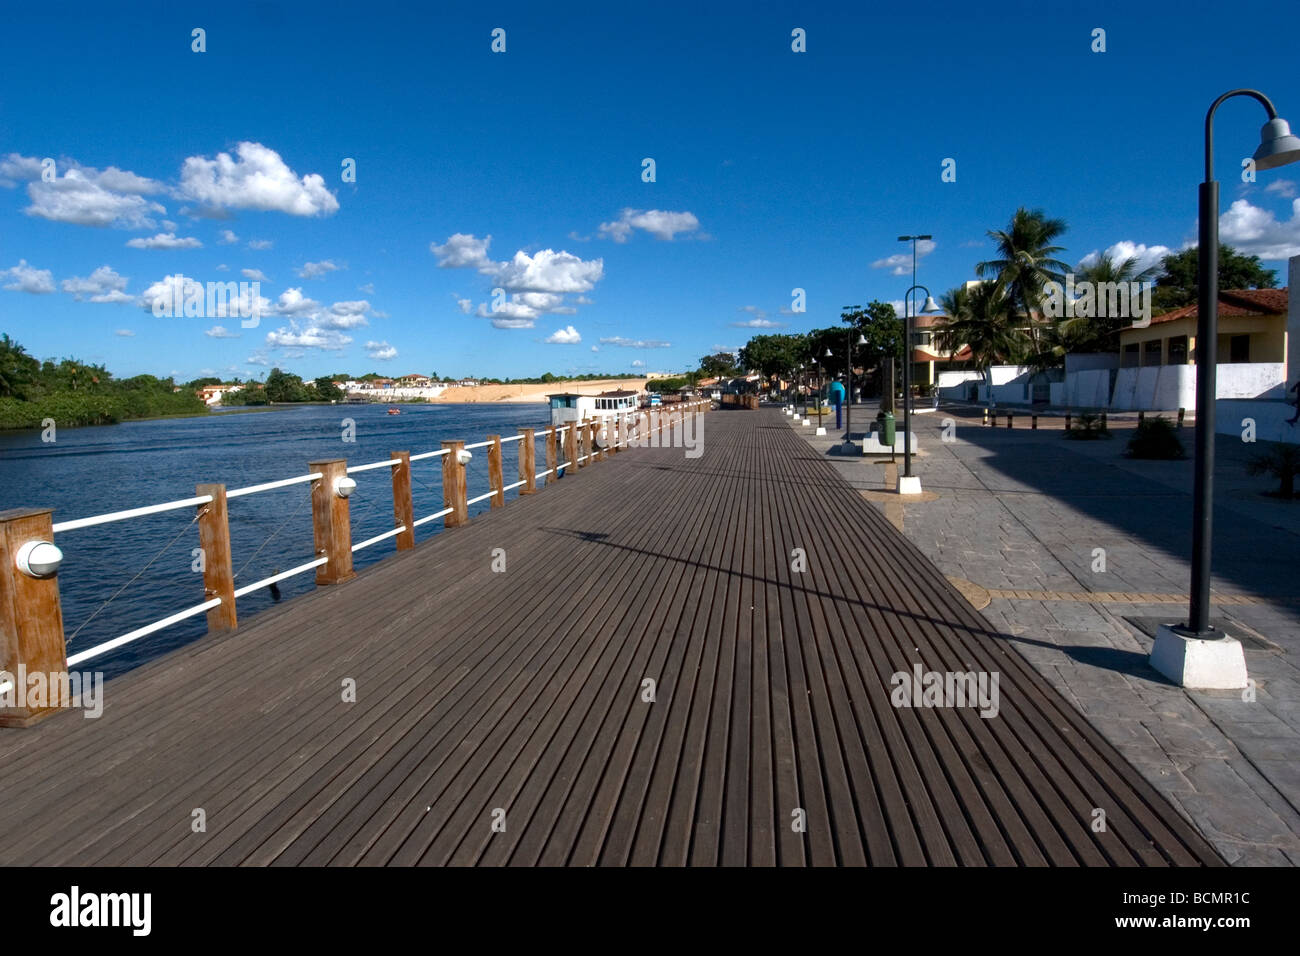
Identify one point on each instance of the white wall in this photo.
(1166, 387)
(1269, 417)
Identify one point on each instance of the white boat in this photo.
(572, 407)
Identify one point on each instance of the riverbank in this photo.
(457, 394)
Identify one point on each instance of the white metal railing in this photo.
(377, 538)
(474, 501)
(430, 454)
(268, 486)
(389, 463)
(266, 582)
(433, 517)
(140, 632)
(130, 513)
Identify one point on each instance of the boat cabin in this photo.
(571, 407)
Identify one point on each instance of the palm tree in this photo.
(1026, 261)
(1101, 333)
(983, 320)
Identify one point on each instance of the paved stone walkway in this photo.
(1078, 552)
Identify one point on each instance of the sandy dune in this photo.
(534, 393)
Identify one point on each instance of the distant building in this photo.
(212, 394)
(1252, 328)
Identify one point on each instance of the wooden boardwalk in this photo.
(522, 691)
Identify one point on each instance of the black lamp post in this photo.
(848, 407)
(930, 308)
(1277, 147)
(819, 392)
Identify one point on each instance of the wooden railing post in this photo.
(571, 444)
(403, 510)
(453, 485)
(527, 462)
(495, 481)
(605, 425)
(616, 434)
(31, 618)
(218, 576)
(552, 454)
(584, 443)
(331, 523)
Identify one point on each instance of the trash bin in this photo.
(887, 429)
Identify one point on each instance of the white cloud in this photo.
(565, 336)
(619, 342)
(465, 305)
(381, 351)
(228, 238)
(314, 270)
(255, 275)
(84, 195)
(660, 224)
(125, 333)
(165, 240)
(293, 302)
(1285, 188)
(368, 288)
(1257, 232)
(901, 263)
(637, 363)
(310, 337)
(462, 250)
(550, 271)
(256, 178)
(223, 268)
(344, 315)
(595, 348)
(512, 323)
(28, 279)
(220, 332)
(758, 324)
(260, 243)
(102, 285)
(1147, 256)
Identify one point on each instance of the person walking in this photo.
(1296, 417)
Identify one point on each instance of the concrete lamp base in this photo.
(796, 418)
(909, 484)
(806, 422)
(821, 431)
(1188, 661)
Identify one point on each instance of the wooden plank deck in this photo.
(522, 691)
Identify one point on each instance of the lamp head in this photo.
(828, 354)
(862, 340)
(931, 307)
(1277, 145)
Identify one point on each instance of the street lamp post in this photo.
(909, 484)
(819, 393)
(848, 407)
(1196, 655)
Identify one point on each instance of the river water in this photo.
(148, 562)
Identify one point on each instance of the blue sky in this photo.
(775, 170)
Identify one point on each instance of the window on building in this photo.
(1178, 350)
(1151, 352)
(1239, 348)
(1130, 357)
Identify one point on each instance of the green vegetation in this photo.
(75, 393)
(1176, 285)
(1156, 438)
(1088, 427)
(1281, 462)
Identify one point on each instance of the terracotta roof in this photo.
(921, 355)
(1240, 302)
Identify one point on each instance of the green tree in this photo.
(717, 365)
(327, 391)
(1026, 261)
(983, 320)
(1176, 285)
(882, 327)
(284, 387)
(771, 355)
(18, 370)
